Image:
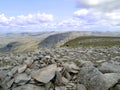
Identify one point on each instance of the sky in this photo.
(59, 15)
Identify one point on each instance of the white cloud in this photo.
(81, 12)
(91, 2)
(3, 20)
(99, 13)
(96, 19)
(70, 23)
(22, 20)
(102, 5)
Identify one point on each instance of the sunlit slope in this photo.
(93, 41)
(23, 45)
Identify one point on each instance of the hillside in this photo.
(93, 41)
(27, 41)
(59, 39)
(52, 40)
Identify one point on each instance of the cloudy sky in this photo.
(59, 15)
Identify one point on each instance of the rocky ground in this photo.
(83, 68)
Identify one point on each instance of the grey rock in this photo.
(92, 78)
(47, 57)
(86, 63)
(71, 86)
(2, 76)
(22, 68)
(61, 88)
(59, 69)
(14, 70)
(67, 75)
(45, 74)
(9, 83)
(28, 63)
(117, 87)
(58, 78)
(22, 79)
(80, 87)
(109, 68)
(111, 79)
(71, 67)
(65, 81)
(28, 71)
(29, 87)
(47, 86)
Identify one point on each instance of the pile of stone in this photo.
(56, 75)
(43, 75)
(62, 69)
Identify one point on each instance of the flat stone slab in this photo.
(44, 75)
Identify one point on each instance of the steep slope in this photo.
(59, 39)
(52, 40)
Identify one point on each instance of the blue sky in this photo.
(59, 15)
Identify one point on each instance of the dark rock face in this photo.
(52, 40)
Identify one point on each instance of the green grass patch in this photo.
(86, 41)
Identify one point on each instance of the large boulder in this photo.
(111, 79)
(109, 68)
(46, 74)
(92, 78)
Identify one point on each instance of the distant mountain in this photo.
(24, 42)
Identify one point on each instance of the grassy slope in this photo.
(93, 41)
(27, 44)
